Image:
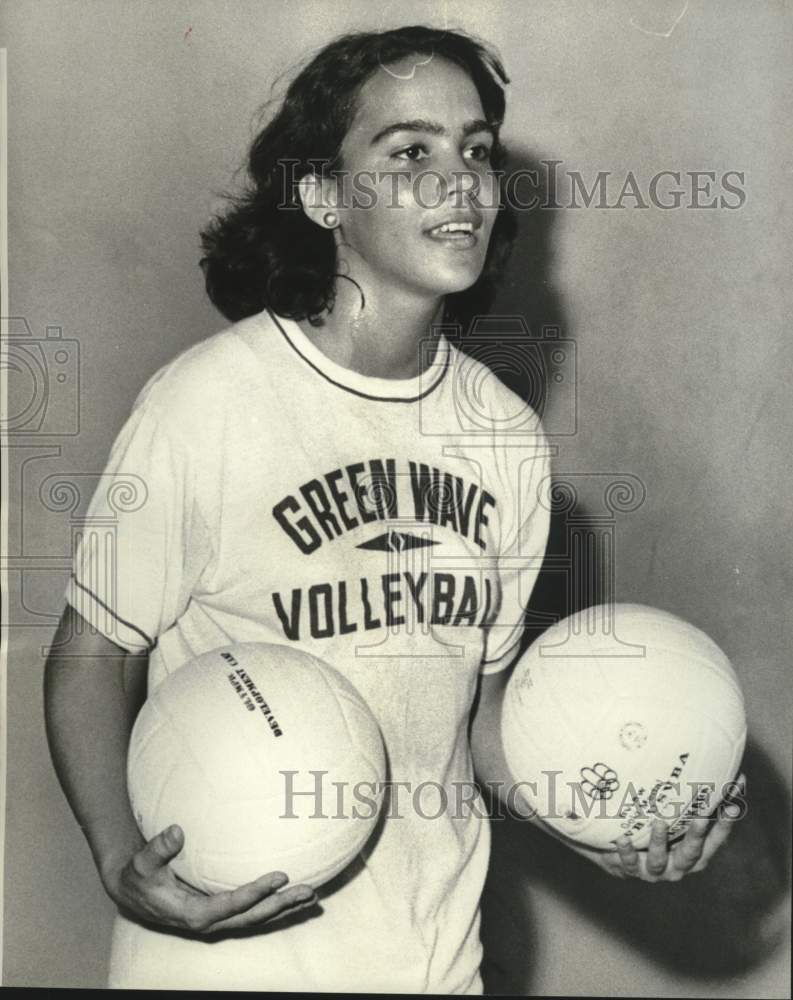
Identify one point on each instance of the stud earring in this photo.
(330, 219)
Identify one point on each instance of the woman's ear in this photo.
(318, 198)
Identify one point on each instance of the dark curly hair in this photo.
(264, 253)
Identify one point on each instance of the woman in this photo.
(329, 471)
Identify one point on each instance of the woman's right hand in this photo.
(146, 888)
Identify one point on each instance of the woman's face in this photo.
(418, 198)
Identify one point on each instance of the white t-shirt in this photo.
(394, 528)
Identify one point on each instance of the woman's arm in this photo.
(91, 698)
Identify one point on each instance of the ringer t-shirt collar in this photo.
(406, 390)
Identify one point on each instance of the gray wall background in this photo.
(125, 117)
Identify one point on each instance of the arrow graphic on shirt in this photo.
(396, 541)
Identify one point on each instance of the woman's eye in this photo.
(479, 152)
(411, 152)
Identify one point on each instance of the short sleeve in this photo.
(525, 524)
(143, 543)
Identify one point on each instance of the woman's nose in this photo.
(464, 185)
(457, 183)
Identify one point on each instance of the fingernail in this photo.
(279, 880)
(732, 811)
(305, 895)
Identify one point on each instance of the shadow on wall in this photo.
(712, 925)
(519, 336)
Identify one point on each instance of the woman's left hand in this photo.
(660, 863)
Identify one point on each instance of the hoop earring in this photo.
(330, 219)
(338, 274)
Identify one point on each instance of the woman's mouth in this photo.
(458, 235)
